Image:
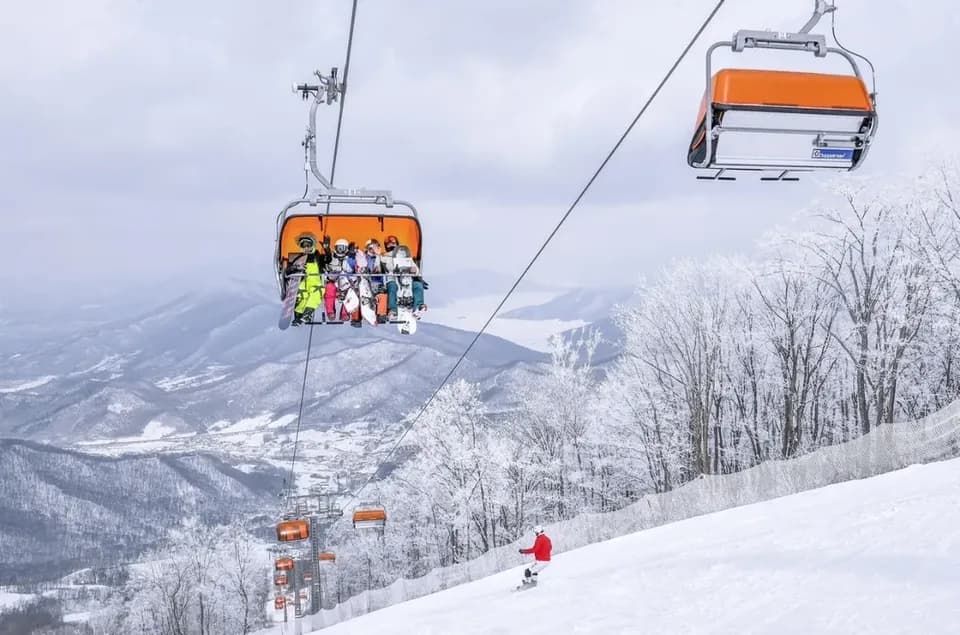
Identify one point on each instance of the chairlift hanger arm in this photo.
(801, 40)
(820, 9)
(327, 91)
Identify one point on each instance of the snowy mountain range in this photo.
(61, 510)
(204, 382)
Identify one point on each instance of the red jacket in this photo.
(540, 549)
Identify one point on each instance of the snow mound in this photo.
(873, 555)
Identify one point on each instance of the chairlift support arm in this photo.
(327, 91)
(820, 9)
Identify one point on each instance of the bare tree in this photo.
(881, 288)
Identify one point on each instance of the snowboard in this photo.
(358, 296)
(367, 303)
(407, 314)
(297, 262)
(406, 321)
(525, 585)
(351, 301)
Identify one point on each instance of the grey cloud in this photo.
(171, 124)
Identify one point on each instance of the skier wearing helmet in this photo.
(541, 553)
(338, 262)
(310, 292)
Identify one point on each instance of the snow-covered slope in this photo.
(878, 555)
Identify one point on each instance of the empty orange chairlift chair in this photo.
(326, 556)
(284, 564)
(782, 121)
(369, 516)
(291, 530)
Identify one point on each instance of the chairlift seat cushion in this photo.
(791, 91)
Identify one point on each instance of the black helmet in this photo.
(307, 243)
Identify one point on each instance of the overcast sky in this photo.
(147, 140)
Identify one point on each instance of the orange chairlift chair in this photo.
(782, 121)
(291, 530)
(369, 516)
(356, 215)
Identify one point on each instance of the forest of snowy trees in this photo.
(725, 363)
(203, 580)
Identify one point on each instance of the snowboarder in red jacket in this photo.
(541, 552)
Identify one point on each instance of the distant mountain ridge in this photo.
(61, 510)
(205, 357)
(589, 304)
(187, 406)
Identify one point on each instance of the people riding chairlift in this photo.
(390, 266)
(338, 263)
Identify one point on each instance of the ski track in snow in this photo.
(879, 555)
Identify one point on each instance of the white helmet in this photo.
(538, 529)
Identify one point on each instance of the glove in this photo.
(519, 550)
(426, 285)
(326, 242)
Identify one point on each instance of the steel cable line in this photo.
(333, 169)
(540, 251)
